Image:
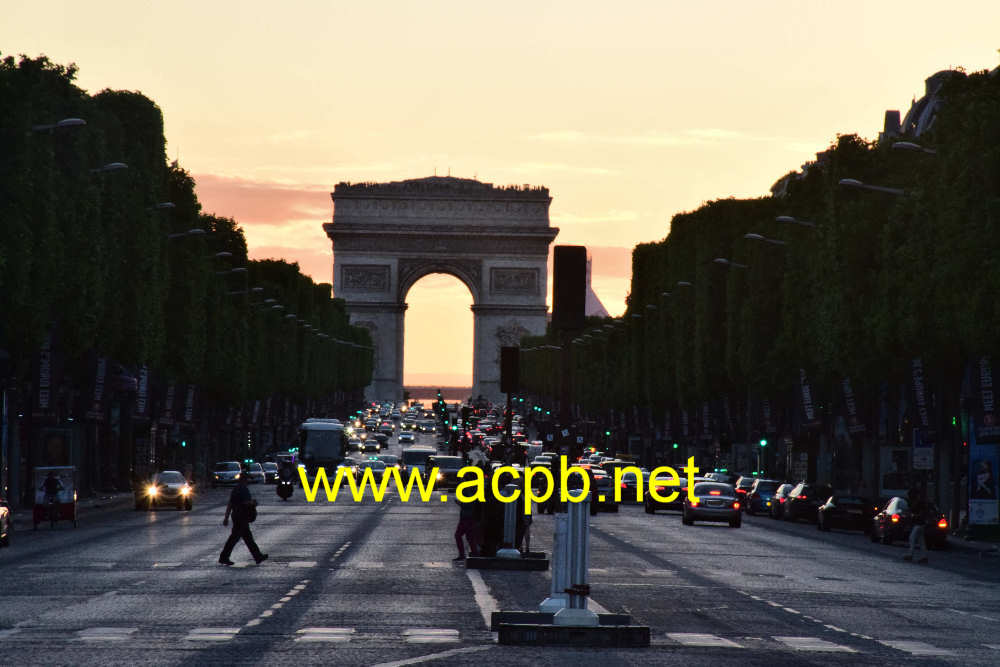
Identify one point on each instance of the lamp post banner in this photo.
(986, 424)
(854, 425)
(983, 509)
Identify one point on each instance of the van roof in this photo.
(321, 426)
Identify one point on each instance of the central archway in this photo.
(438, 338)
(386, 236)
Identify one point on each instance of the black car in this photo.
(779, 500)
(270, 472)
(743, 486)
(448, 467)
(761, 495)
(602, 497)
(804, 500)
(845, 511)
(651, 504)
(894, 520)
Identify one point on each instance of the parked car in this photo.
(270, 472)
(713, 501)
(779, 500)
(168, 487)
(894, 520)
(804, 500)
(760, 496)
(226, 473)
(845, 511)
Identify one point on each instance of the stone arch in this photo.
(495, 240)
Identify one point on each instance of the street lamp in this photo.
(760, 237)
(111, 166)
(65, 122)
(855, 183)
(794, 221)
(684, 283)
(910, 146)
(191, 232)
(725, 262)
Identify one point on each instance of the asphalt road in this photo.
(373, 584)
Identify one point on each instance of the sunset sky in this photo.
(629, 112)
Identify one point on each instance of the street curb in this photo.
(23, 520)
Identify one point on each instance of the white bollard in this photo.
(558, 597)
(577, 614)
(509, 526)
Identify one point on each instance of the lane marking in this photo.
(167, 564)
(835, 628)
(252, 623)
(915, 648)
(487, 603)
(431, 636)
(212, 634)
(302, 563)
(433, 656)
(698, 639)
(791, 611)
(285, 599)
(105, 634)
(4, 634)
(324, 634)
(813, 644)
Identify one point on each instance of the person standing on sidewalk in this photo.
(918, 517)
(244, 509)
(469, 515)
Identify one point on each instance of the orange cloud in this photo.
(262, 202)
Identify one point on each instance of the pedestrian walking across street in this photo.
(918, 516)
(243, 509)
(469, 516)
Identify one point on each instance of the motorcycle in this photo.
(284, 489)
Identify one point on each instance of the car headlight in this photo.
(185, 490)
(236, 476)
(440, 476)
(151, 490)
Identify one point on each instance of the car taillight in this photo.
(660, 488)
(624, 485)
(781, 500)
(803, 497)
(715, 493)
(894, 518)
(943, 523)
(694, 503)
(736, 505)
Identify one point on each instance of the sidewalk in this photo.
(983, 548)
(85, 506)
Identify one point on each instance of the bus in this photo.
(322, 444)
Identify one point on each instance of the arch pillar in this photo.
(496, 326)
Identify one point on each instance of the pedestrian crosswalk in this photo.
(350, 635)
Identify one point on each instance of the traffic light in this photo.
(676, 445)
(184, 443)
(763, 442)
(607, 434)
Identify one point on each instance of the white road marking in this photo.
(835, 628)
(293, 592)
(697, 639)
(302, 563)
(995, 647)
(594, 606)
(4, 634)
(285, 599)
(105, 634)
(916, 648)
(324, 634)
(277, 605)
(487, 603)
(437, 564)
(813, 644)
(252, 623)
(266, 613)
(167, 564)
(430, 636)
(212, 634)
(791, 611)
(433, 656)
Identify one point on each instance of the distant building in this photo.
(594, 307)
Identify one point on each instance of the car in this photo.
(760, 495)
(255, 473)
(713, 501)
(779, 499)
(845, 511)
(168, 487)
(416, 457)
(5, 523)
(894, 520)
(406, 438)
(386, 428)
(354, 445)
(631, 484)
(804, 500)
(226, 473)
(743, 486)
(722, 477)
(377, 467)
(390, 460)
(270, 472)
(371, 445)
(448, 467)
(602, 493)
(651, 504)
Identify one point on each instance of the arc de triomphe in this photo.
(387, 236)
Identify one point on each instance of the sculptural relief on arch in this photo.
(387, 236)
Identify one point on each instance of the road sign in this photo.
(579, 439)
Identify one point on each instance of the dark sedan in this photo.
(779, 500)
(448, 467)
(845, 511)
(760, 496)
(804, 500)
(713, 501)
(677, 504)
(894, 520)
(602, 496)
(743, 486)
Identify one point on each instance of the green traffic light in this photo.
(184, 443)
(607, 433)
(676, 445)
(763, 442)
